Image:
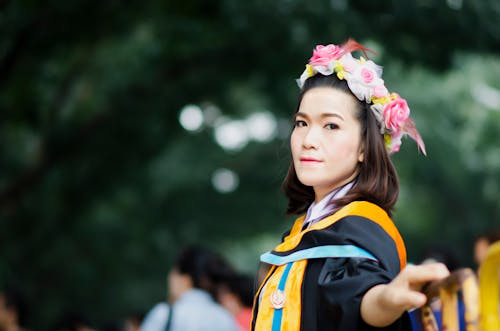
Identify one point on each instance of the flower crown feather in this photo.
(352, 45)
(364, 78)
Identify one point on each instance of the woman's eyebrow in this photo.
(322, 116)
(300, 114)
(332, 115)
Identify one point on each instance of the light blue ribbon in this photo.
(317, 253)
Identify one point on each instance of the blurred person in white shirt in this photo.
(192, 285)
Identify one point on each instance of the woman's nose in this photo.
(311, 138)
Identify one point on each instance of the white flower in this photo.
(393, 143)
(326, 71)
(378, 111)
(364, 79)
(308, 72)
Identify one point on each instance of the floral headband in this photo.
(364, 80)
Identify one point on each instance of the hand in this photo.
(383, 304)
(404, 290)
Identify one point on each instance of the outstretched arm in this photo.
(383, 304)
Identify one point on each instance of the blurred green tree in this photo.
(100, 184)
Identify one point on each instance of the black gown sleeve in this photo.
(342, 282)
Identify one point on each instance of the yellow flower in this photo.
(387, 139)
(339, 69)
(381, 101)
(310, 70)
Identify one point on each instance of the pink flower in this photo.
(322, 55)
(395, 143)
(367, 75)
(396, 112)
(380, 91)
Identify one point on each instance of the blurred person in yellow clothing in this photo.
(482, 243)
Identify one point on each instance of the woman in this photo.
(342, 266)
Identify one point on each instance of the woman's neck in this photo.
(320, 194)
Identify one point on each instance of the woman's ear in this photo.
(361, 155)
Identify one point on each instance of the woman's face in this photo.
(326, 140)
(178, 284)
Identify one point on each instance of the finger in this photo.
(415, 300)
(426, 273)
(411, 299)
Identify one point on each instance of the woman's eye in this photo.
(300, 123)
(331, 126)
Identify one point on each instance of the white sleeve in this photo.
(156, 318)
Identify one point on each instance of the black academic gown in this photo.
(330, 265)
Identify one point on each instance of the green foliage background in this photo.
(100, 185)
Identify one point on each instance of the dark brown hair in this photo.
(377, 180)
(205, 267)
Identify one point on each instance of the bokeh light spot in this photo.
(191, 118)
(225, 180)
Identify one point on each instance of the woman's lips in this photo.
(309, 160)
